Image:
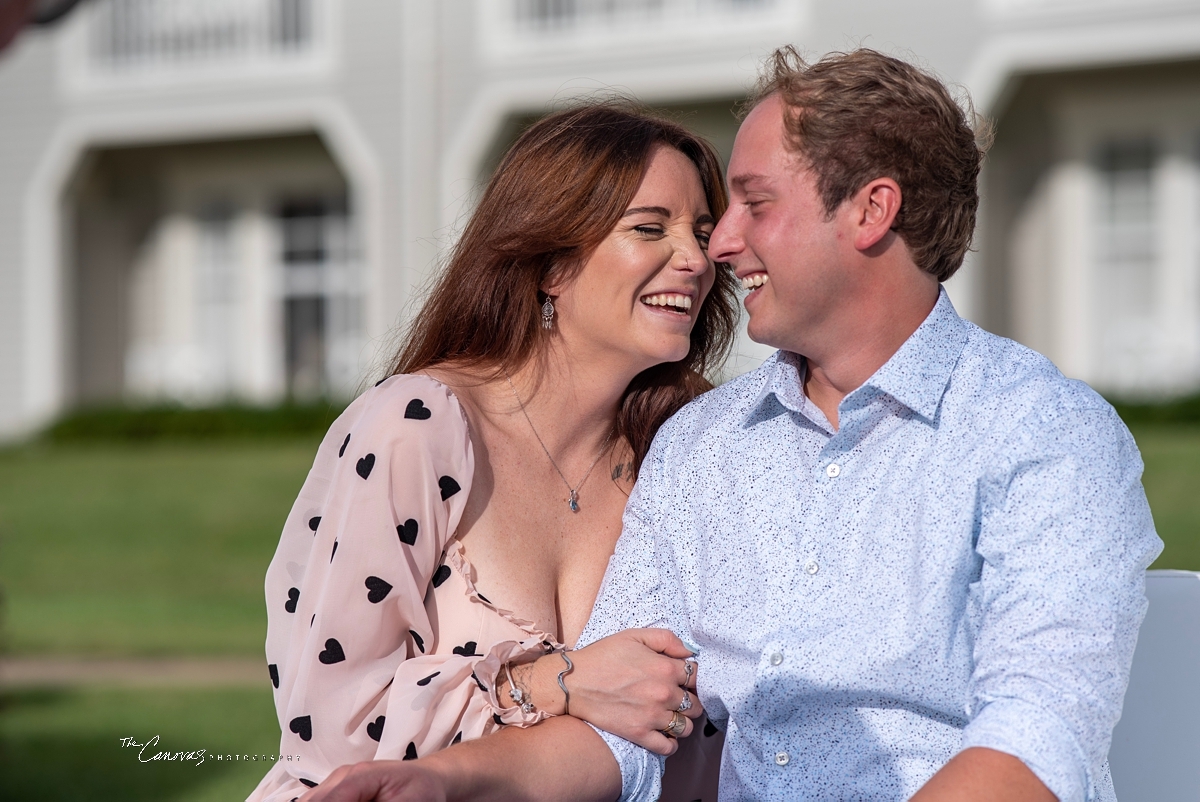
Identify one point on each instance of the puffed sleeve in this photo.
(345, 591)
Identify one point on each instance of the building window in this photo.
(1127, 256)
(322, 298)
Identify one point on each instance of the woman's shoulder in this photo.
(404, 407)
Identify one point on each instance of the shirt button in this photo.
(833, 470)
(781, 758)
(776, 658)
(811, 567)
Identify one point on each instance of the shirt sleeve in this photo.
(1065, 536)
(639, 590)
(347, 626)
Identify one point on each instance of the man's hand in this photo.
(984, 775)
(381, 781)
(631, 683)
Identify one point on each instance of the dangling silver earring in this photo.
(548, 314)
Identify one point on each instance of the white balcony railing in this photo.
(541, 15)
(170, 36)
(570, 28)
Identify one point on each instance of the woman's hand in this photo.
(380, 781)
(629, 684)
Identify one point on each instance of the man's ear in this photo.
(875, 208)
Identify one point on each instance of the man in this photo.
(910, 553)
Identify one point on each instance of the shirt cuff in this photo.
(1040, 739)
(641, 769)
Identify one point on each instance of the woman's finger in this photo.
(687, 671)
(689, 705)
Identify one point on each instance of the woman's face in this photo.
(636, 298)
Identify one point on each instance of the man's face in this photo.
(777, 236)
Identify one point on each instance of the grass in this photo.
(65, 745)
(142, 550)
(160, 549)
(1172, 481)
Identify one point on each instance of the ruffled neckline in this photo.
(457, 558)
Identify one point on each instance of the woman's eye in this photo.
(703, 237)
(649, 231)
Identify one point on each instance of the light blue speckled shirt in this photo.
(960, 564)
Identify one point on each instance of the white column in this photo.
(1073, 194)
(261, 311)
(1177, 294)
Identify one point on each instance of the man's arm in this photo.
(984, 775)
(1065, 537)
(560, 759)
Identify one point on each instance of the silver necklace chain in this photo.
(573, 500)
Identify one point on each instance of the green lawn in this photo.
(1172, 481)
(161, 549)
(142, 550)
(66, 745)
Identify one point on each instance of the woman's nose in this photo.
(690, 257)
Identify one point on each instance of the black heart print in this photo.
(482, 687)
(273, 670)
(410, 751)
(365, 465)
(333, 552)
(709, 729)
(467, 649)
(309, 783)
(377, 589)
(342, 450)
(314, 522)
(333, 653)
(417, 640)
(417, 410)
(426, 680)
(293, 597)
(448, 486)
(375, 728)
(457, 739)
(302, 726)
(441, 575)
(496, 718)
(408, 532)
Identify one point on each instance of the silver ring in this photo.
(688, 668)
(686, 704)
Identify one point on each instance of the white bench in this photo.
(1155, 755)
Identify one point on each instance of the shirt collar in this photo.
(916, 375)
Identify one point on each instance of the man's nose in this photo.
(726, 241)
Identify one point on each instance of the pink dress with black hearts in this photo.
(379, 645)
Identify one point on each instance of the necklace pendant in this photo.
(574, 503)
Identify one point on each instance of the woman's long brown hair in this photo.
(556, 195)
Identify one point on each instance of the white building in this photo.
(203, 199)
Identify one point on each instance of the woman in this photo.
(451, 538)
